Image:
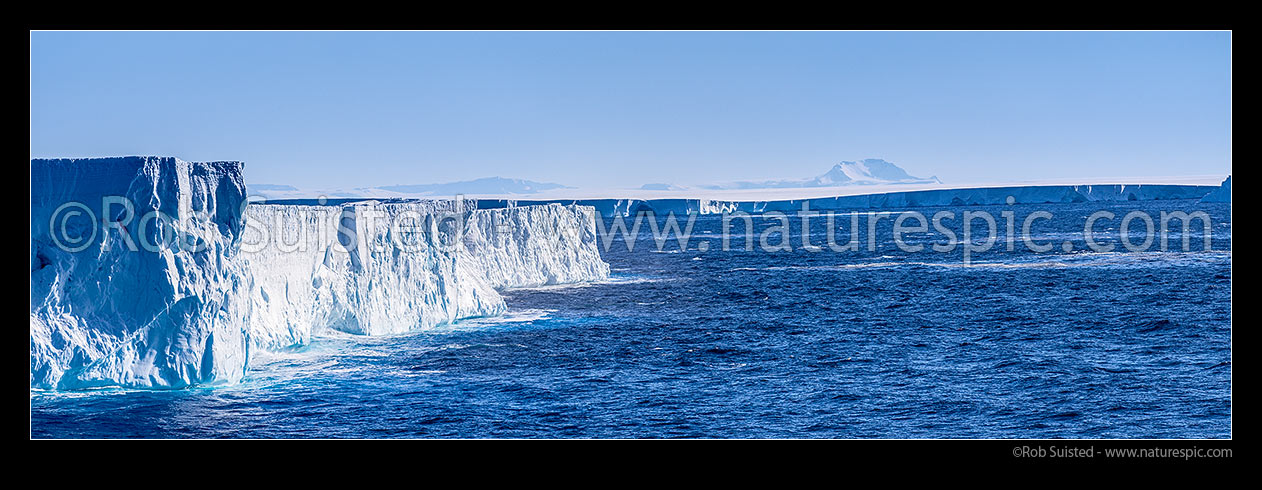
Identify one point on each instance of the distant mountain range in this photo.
(871, 171)
(487, 185)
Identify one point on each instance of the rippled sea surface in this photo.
(802, 344)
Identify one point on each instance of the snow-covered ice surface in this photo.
(262, 276)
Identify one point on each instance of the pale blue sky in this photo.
(619, 109)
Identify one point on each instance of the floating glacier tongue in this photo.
(173, 280)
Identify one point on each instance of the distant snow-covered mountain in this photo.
(871, 171)
(868, 171)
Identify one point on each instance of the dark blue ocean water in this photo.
(809, 344)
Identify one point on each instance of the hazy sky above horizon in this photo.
(620, 109)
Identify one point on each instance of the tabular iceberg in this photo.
(167, 315)
(159, 275)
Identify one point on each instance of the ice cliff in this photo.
(382, 267)
(1220, 194)
(171, 313)
(178, 287)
